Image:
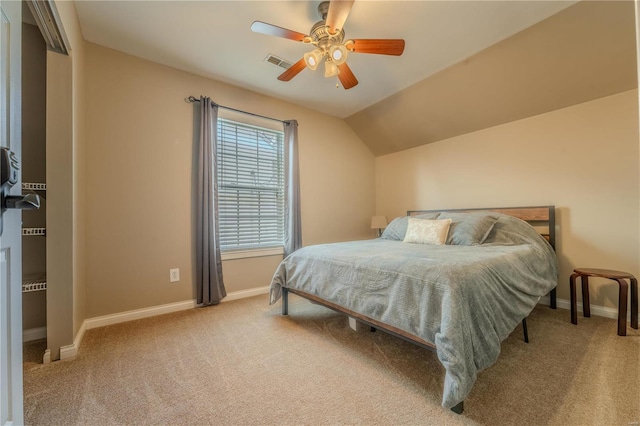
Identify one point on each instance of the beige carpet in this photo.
(242, 363)
(32, 353)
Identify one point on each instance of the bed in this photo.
(460, 299)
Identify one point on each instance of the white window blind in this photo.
(250, 186)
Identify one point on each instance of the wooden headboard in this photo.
(542, 218)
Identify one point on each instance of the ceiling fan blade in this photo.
(337, 14)
(346, 76)
(380, 46)
(268, 29)
(293, 70)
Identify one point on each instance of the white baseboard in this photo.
(152, 311)
(235, 295)
(164, 309)
(68, 352)
(71, 351)
(32, 334)
(599, 311)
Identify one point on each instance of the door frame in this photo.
(11, 387)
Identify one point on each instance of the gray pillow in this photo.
(469, 229)
(397, 229)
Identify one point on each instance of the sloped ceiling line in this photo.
(585, 52)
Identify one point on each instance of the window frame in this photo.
(248, 122)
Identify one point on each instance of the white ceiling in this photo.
(213, 39)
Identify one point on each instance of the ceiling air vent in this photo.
(271, 58)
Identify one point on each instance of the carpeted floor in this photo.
(242, 363)
(32, 353)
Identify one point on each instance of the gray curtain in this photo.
(292, 221)
(209, 285)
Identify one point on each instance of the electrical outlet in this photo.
(174, 275)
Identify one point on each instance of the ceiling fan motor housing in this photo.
(323, 38)
(323, 9)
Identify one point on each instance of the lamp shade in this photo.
(330, 69)
(338, 54)
(378, 222)
(313, 58)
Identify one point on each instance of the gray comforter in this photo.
(464, 299)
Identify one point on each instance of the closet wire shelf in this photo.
(34, 285)
(34, 231)
(41, 283)
(28, 186)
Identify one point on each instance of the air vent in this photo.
(271, 58)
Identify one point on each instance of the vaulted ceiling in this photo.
(214, 39)
(467, 65)
(584, 52)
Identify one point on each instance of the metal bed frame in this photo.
(538, 216)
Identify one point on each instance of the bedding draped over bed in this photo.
(463, 299)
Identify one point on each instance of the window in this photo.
(250, 186)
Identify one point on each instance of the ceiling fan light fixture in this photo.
(330, 69)
(328, 38)
(338, 54)
(313, 58)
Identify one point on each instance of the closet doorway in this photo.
(41, 36)
(34, 222)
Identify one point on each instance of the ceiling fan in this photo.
(327, 35)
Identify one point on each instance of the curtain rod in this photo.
(192, 99)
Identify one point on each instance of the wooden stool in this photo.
(584, 274)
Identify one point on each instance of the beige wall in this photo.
(582, 159)
(133, 216)
(59, 203)
(139, 180)
(76, 40)
(65, 169)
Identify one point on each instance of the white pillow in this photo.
(425, 231)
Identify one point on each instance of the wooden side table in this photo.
(620, 277)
